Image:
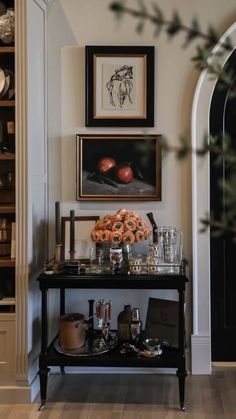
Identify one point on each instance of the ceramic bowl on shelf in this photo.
(152, 343)
(2, 80)
(6, 86)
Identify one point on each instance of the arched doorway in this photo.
(201, 337)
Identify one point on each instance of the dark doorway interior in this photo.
(223, 249)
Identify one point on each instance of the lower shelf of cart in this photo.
(170, 358)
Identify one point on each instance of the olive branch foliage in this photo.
(220, 146)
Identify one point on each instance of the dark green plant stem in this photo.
(118, 7)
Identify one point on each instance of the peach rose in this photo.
(139, 235)
(128, 237)
(96, 235)
(116, 236)
(118, 226)
(105, 236)
(130, 224)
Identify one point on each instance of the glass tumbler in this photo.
(116, 258)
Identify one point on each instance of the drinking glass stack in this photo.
(165, 254)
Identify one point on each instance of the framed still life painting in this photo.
(120, 86)
(118, 167)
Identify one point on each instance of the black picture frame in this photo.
(162, 321)
(141, 153)
(120, 86)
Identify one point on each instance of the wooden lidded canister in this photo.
(72, 330)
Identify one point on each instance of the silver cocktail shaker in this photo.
(135, 324)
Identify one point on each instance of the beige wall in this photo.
(89, 22)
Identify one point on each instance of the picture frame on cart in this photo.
(84, 246)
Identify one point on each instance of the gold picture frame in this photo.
(138, 155)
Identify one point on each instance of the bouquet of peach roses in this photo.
(124, 227)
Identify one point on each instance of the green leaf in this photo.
(228, 44)
(199, 55)
(118, 8)
(158, 29)
(213, 36)
(140, 26)
(192, 33)
(143, 9)
(226, 142)
(175, 25)
(159, 19)
(158, 14)
(216, 233)
(184, 149)
(165, 148)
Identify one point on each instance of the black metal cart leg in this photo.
(43, 379)
(181, 378)
(181, 372)
(62, 368)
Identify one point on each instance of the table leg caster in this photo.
(62, 370)
(182, 407)
(41, 407)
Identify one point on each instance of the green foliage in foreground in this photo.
(221, 147)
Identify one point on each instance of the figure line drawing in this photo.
(120, 86)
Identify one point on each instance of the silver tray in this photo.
(97, 347)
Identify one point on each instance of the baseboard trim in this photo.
(15, 394)
(19, 394)
(201, 354)
(224, 364)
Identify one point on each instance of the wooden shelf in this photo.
(7, 316)
(7, 208)
(7, 262)
(4, 50)
(7, 156)
(8, 301)
(7, 103)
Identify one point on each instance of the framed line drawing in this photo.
(118, 167)
(84, 244)
(120, 86)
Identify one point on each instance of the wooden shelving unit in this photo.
(7, 156)
(7, 103)
(7, 208)
(7, 262)
(7, 164)
(8, 301)
(7, 49)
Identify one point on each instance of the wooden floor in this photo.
(133, 397)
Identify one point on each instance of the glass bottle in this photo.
(123, 323)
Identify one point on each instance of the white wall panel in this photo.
(31, 176)
(37, 162)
